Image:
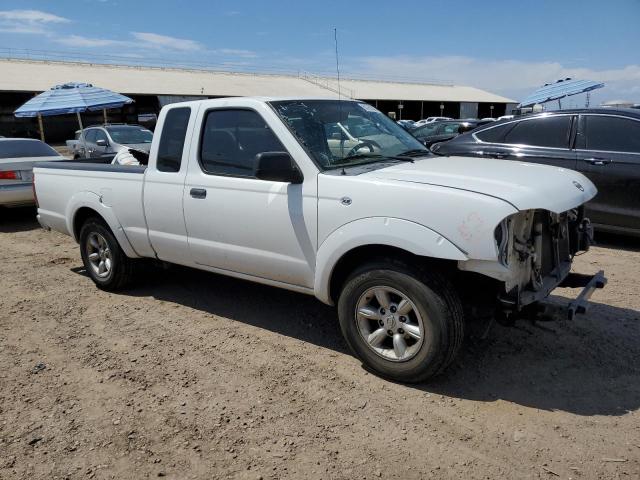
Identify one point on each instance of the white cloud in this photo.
(232, 52)
(512, 78)
(164, 41)
(86, 42)
(28, 21)
(33, 16)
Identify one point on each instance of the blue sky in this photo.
(508, 47)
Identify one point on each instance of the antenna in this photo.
(335, 37)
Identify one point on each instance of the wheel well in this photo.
(81, 216)
(368, 253)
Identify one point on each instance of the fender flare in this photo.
(92, 200)
(393, 232)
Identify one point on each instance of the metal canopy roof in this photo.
(560, 89)
(30, 76)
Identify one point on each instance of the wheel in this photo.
(104, 260)
(403, 324)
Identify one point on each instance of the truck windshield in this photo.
(129, 134)
(339, 133)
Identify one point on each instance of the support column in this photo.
(41, 126)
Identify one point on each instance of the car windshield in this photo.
(129, 134)
(25, 148)
(339, 133)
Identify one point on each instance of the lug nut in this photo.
(382, 311)
(390, 333)
(381, 323)
(403, 319)
(400, 330)
(393, 309)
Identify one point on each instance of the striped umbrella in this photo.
(71, 97)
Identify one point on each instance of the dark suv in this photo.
(601, 143)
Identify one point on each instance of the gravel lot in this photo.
(192, 375)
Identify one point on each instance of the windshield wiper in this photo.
(414, 153)
(374, 157)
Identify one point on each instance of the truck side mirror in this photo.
(277, 167)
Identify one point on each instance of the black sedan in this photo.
(601, 143)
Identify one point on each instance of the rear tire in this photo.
(105, 262)
(419, 331)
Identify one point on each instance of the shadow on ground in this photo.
(617, 242)
(14, 220)
(588, 367)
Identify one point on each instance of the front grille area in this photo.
(556, 240)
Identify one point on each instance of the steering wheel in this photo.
(370, 144)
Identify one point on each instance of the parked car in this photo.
(431, 119)
(601, 143)
(441, 131)
(17, 158)
(406, 124)
(399, 239)
(107, 140)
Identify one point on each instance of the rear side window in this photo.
(172, 139)
(231, 139)
(494, 134)
(541, 132)
(612, 134)
(25, 148)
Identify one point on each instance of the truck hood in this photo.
(524, 185)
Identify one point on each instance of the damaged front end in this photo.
(536, 248)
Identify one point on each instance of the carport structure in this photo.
(153, 87)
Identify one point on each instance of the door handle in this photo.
(598, 161)
(198, 193)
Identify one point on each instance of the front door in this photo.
(236, 222)
(609, 155)
(100, 144)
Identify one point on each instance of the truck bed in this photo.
(113, 191)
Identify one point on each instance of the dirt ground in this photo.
(193, 375)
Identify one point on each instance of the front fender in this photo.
(392, 232)
(93, 201)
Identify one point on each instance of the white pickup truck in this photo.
(404, 243)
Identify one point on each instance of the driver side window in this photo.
(90, 135)
(100, 135)
(231, 140)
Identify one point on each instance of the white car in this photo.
(430, 120)
(404, 243)
(102, 141)
(17, 158)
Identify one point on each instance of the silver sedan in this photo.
(17, 158)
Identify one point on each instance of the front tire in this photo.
(404, 324)
(105, 262)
